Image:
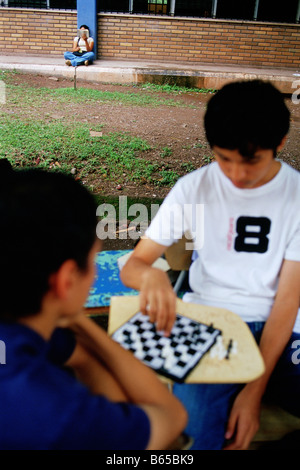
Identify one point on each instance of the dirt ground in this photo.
(180, 129)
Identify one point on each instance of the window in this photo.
(260, 10)
(235, 9)
(200, 8)
(58, 4)
(27, 3)
(118, 6)
(158, 7)
(268, 10)
(153, 7)
(140, 6)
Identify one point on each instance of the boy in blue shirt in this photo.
(65, 384)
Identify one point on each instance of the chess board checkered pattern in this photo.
(174, 356)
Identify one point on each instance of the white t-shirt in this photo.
(81, 43)
(240, 236)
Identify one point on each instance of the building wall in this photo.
(122, 36)
(40, 32)
(198, 40)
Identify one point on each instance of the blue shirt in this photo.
(43, 406)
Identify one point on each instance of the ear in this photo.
(282, 144)
(63, 281)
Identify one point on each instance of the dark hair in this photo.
(45, 219)
(85, 27)
(247, 116)
(6, 168)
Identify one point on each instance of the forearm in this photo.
(139, 266)
(75, 46)
(157, 298)
(275, 336)
(279, 326)
(244, 416)
(94, 375)
(140, 384)
(88, 46)
(134, 271)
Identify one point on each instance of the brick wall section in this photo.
(165, 39)
(198, 40)
(36, 31)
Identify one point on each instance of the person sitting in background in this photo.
(65, 384)
(82, 52)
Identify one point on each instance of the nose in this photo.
(237, 172)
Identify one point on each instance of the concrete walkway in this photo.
(133, 72)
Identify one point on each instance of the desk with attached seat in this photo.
(244, 366)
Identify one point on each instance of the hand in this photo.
(158, 300)
(243, 422)
(69, 321)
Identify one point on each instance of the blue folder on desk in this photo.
(107, 281)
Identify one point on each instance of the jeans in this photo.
(79, 60)
(209, 405)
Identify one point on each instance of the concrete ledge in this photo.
(207, 76)
(214, 80)
(92, 73)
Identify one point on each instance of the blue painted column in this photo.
(87, 14)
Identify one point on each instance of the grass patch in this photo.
(35, 131)
(174, 89)
(23, 96)
(60, 146)
(126, 98)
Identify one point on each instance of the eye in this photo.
(223, 158)
(253, 161)
(227, 160)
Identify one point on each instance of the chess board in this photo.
(174, 356)
(244, 366)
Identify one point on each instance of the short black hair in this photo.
(85, 27)
(247, 116)
(45, 219)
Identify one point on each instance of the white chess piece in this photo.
(166, 351)
(219, 349)
(234, 348)
(169, 362)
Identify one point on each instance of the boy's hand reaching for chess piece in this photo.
(157, 297)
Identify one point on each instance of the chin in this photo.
(241, 185)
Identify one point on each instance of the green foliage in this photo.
(30, 136)
(166, 152)
(188, 167)
(59, 146)
(36, 96)
(167, 178)
(175, 89)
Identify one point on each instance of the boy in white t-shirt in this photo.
(243, 215)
